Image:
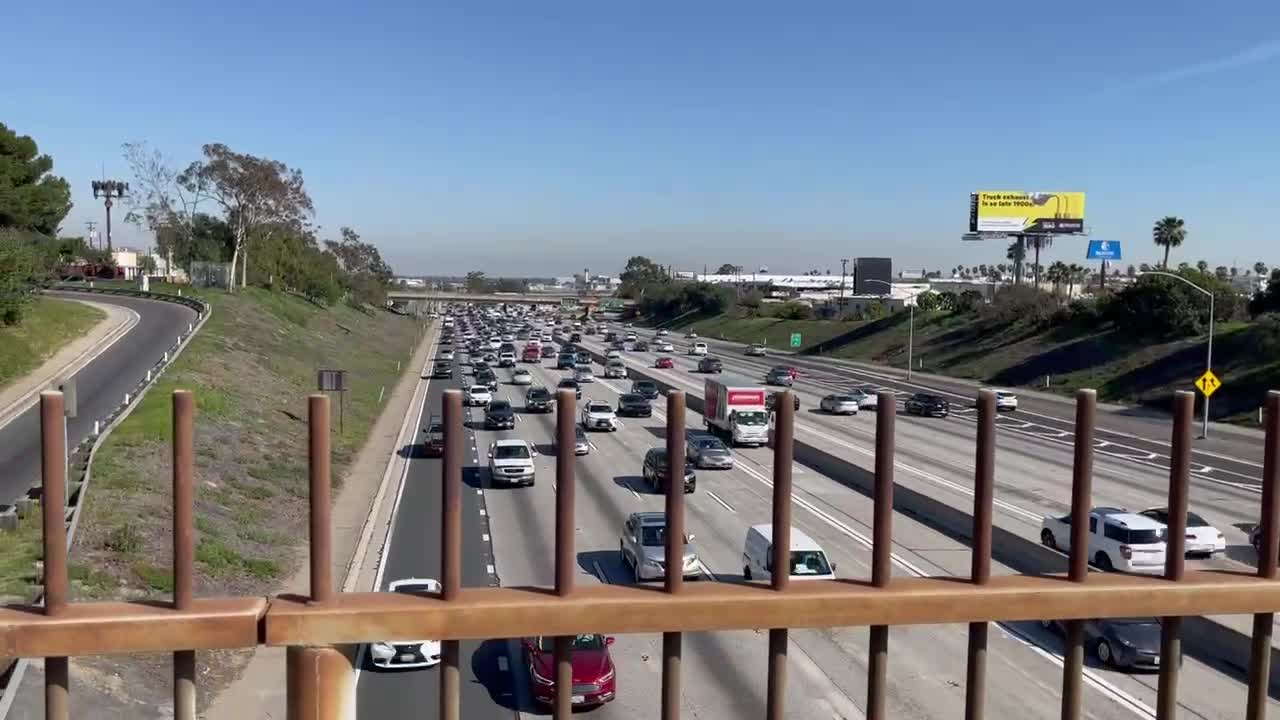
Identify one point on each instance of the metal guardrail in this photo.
(314, 628)
(80, 461)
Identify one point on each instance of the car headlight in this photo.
(657, 564)
(1125, 642)
(533, 672)
(382, 648)
(606, 677)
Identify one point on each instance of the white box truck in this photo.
(736, 410)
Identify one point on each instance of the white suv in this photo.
(479, 396)
(598, 415)
(1118, 539)
(698, 348)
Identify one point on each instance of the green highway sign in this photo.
(795, 340)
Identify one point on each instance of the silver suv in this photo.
(644, 546)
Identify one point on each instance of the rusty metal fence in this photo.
(319, 629)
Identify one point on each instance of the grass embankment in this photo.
(48, 324)
(1122, 367)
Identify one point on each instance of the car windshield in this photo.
(709, 444)
(499, 406)
(646, 387)
(547, 643)
(511, 452)
(436, 428)
(415, 588)
(751, 417)
(1194, 520)
(809, 562)
(653, 535)
(599, 408)
(538, 394)
(479, 390)
(841, 398)
(568, 384)
(630, 399)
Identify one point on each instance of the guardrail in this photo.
(80, 457)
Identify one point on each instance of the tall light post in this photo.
(844, 263)
(110, 190)
(1208, 361)
(911, 328)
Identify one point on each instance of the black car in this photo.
(927, 405)
(634, 405)
(478, 366)
(779, 376)
(538, 399)
(1132, 643)
(499, 416)
(772, 400)
(710, 365)
(548, 351)
(575, 337)
(571, 384)
(640, 346)
(487, 377)
(655, 471)
(433, 442)
(443, 369)
(646, 389)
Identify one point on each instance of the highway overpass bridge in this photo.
(414, 300)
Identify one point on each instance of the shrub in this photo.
(793, 311)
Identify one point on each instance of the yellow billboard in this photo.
(1016, 212)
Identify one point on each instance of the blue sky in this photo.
(540, 138)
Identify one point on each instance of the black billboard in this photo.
(866, 270)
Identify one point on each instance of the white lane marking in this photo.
(592, 445)
(489, 569)
(502, 663)
(633, 490)
(479, 491)
(482, 512)
(484, 537)
(600, 572)
(720, 500)
(707, 571)
(1103, 685)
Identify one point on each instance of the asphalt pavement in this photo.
(100, 386)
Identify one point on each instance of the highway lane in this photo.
(100, 386)
(938, 465)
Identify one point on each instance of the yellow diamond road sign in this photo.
(1208, 383)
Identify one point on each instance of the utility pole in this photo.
(89, 225)
(844, 263)
(110, 190)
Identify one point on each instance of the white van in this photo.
(808, 560)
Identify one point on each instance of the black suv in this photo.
(499, 416)
(538, 399)
(571, 384)
(710, 365)
(433, 443)
(488, 378)
(443, 369)
(927, 405)
(575, 337)
(646, 389)
(655, 471)
(634, 405)
(773, 400)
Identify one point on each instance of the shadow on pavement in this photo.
(486, 669)
(605, 565)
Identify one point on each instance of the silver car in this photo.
(644, 547)
(839, 404)
(707, 451)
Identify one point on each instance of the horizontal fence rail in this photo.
(316, 628)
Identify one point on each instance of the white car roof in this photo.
(510, 442)
(799, 541)
(432, 584)
(1131, 520)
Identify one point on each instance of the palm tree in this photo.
(1222, 272)
(1056, 274)
(1075, 274)
(1168, 233)
(1234, 271)
(1202, 265)
(1017, 252)
(1038, 243)
(1260, 268)
(1183, 266)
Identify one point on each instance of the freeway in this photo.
(100, 386)
(724, 673)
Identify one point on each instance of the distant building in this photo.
(126, 260)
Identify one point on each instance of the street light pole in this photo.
(1208, 361)
(844, 263)
(911, 323)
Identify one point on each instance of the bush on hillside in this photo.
(1157, 306)
(1019, 304)
(793, 311)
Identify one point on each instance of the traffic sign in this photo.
(1103, 250)
(795, 339)
(1208, 383)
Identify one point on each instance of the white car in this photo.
(1202, 538)
(757, 349)
(584, 375)
(666, 347)
(1118, 539)
(508, 337)
(495, 343)
(614, 369)
(511, 462)
(407, 653)
(691, 334)
(1006, 400)
(446, 354)
(839, 404)
(522, 377)
(507, 359)
(866, 400)
(698, 348)
(612, 355)
(479, 396)
(662, 332)
(598, 415)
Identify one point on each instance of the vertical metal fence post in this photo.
(451, 547)
(1081, 495)
(784, 409)
(53, 501)
(184, 661)
(321, 679)
(566, 412)
(983, 498)
(672, 642)
(1175, 550)
(881, 548)
(1260, 647)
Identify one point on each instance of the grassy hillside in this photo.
(1123, 368)
(47, 325)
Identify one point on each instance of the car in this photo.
(584, 374)
(511, 462)
(405, 654)
(507, 359)
(772, 400)
(778, 376)
(662, 332)
(570, 384)
(548, 351)
(566, 361)
(433, 440)
(612, 355)
(531, 354)
(479, 396)
(1201, 537)
(643, 546)
(584, 357)
(928, 405)
(1006, 400)
(698, 348)
(640, 346)
(615, 369)
(1129, 643)
(691, 334)
(508, 337)
(598, 415)
(490, 359)
(1118, 539)
(521, 377)
(478, 366)
(757, 349)
(499, 415)
(495, 342)
(581, 446)
(654, 470)
(707, 451)
(664, 362)
(646, 389)
(506, 348)
(633, 405)
(442, 369)
(839, 404)
(488, 378)
(446, 355)
(666, 347)
(710, 365)
(538, 399)
(575, 337)
(866, 400)
(594, 677)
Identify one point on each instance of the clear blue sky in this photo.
(542, 137)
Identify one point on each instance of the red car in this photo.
(664, 362)
(594, 681)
